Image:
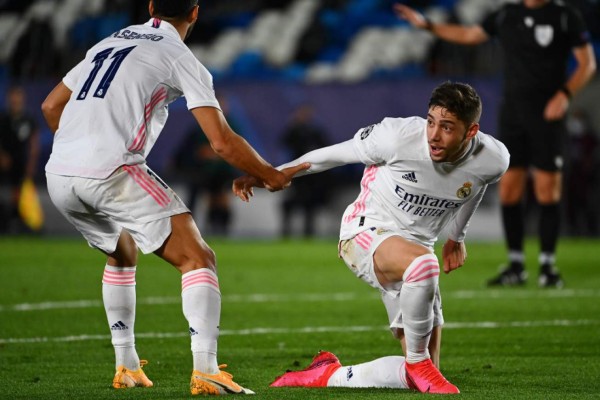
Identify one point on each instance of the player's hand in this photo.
(454, 255)
(556, 107)
(242, 187)
(285, 177)
(414, 17)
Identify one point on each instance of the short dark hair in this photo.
(458, 98)
(173, 8)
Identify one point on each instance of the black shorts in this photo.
(530, 139)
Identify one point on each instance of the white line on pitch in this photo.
(314, 297)
(312, 329)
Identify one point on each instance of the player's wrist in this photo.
(566, 91)
(427, 24)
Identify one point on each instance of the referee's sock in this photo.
(513, 221)
(549, 227)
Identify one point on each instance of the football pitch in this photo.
(282, 302)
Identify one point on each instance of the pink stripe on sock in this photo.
(425, 265)
(199, 277)
(118, 277)
(419, 279)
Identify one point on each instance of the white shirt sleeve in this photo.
(377, 143)
(70, 79)
(195, 82)
(326, 158)
(458, 227)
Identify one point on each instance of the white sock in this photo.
(118, 295)
(416, 298)
(546, 258)
(385, 372)
(516, 256)
(201, 300)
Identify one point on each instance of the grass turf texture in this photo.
(282, 302)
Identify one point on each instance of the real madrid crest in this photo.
(464, 191)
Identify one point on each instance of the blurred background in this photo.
(291, 75)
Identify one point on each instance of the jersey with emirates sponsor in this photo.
(119, 104)
(403, 190)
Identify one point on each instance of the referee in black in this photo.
(537, 37)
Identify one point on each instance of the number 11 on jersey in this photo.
(106, 80)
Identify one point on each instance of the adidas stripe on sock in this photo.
(118, 296)
(201, 301)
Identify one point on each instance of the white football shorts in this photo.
(358, 252)
(133, 198)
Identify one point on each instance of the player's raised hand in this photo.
(453, 255)
(414, 17)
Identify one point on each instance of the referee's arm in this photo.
(455, 33)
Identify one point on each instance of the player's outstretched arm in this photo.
(236, 150)
(315, 161)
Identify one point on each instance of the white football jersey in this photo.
(403, 190)
(119, 104)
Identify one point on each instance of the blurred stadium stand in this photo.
(352, 59)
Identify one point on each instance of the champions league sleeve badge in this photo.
(366, 132)
(464, 191)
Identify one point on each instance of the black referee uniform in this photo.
(536, 44)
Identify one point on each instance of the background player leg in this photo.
(512, 191)
(548, 187)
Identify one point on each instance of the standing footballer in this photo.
(107, 114)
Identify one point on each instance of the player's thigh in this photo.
(126, 253)
(393, 256)
(95, 226)
(137, 200)
(185, 248)
(366, 258)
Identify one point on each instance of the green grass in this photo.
(524, 343)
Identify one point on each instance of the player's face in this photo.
(447, 136)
